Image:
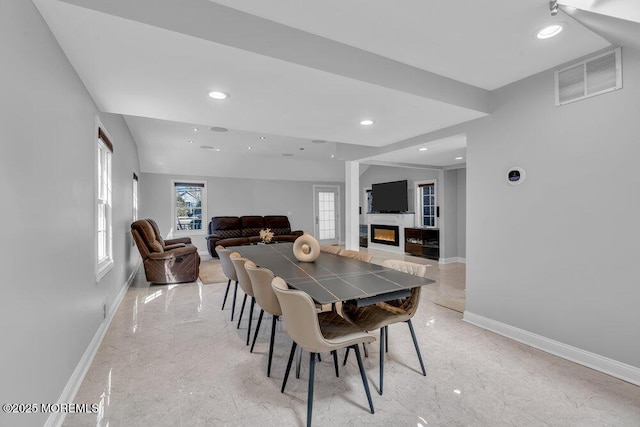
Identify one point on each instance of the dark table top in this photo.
(332, 278)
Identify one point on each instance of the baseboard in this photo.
(451, 260)
(591, 360)
(73, 385)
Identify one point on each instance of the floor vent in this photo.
(591, 77)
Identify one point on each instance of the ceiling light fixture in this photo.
(553, 7)
(196, 129)
(249, 148)
(367, 122)
(190, 141)
(263, 137)
(423, 149)
(216, 94)
(549, 31)
(218, 129)
(458, 158)
(208, 147)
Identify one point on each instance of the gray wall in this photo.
(235, 196)
(450, 192)
(449, 215)
(51, 306)
(558, 254)
(461, 228)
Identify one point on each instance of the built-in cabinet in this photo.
(423, 242)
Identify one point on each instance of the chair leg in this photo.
(346, 356)
(415, 343)
(235, 294)
(299, 364)
(364, 377)
(244, 301)
(366, 352)
(386, 339)
(382, 342)
(312, 372)
(224, 301)
(255, 335)
(335, 362)
(286, 373)
(274, 319)
(253, 303)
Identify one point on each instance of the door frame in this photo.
(316, 232)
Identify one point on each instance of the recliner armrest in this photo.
(297, 232)
(174, 246)
(185, 240)
(174, 253)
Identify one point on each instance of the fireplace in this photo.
(385, 234)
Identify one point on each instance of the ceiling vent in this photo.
(594, 76)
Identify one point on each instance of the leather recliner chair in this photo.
(165, 261)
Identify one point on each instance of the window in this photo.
(189, 207)
(369, 194)
(104, 233)
(134, 201)
(427, 203)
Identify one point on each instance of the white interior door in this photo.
(327, 219)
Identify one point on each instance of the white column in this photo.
(352, 202)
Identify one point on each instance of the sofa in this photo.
(165, 261)
(245, 230)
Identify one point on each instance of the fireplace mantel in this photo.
(399, 220)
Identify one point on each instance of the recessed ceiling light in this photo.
(459, 158)
(190, 141)
(550, 31)
(196, 129)
(263, 137)
(218, 129)
(208, 147)
(249, 148)
(423, 149)
(216, 94)
(367, 122)
(333, 155)
(301, 148)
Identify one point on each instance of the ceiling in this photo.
(299, 71)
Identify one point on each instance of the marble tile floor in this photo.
(171, 357)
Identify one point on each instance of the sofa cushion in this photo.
(251, 225)
(225, 226)
(236, 241)
(279, 224)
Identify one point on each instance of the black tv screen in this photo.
(390, 197)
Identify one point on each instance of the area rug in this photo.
(211, 272)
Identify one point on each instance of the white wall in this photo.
(234, 197)
(51, 305)
(557, 255)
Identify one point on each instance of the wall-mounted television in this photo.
(390, 197)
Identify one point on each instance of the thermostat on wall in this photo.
(515, 176)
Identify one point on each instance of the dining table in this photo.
(332, 278)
